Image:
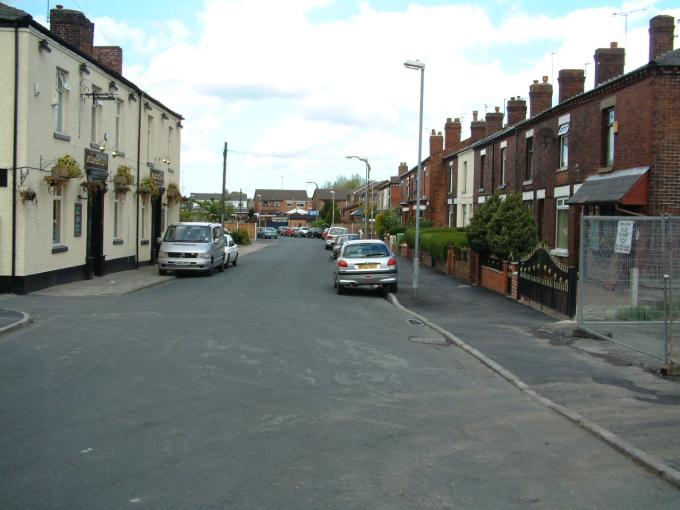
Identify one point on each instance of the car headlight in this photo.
(206, 254)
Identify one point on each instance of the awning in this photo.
(297, 211)
(357, 213)
(626, 187)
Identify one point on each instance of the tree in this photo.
(326, 213)
(387, 220)
(512, 231)
(343, 182)
(478, 230)
(211, 210)
(251, 212)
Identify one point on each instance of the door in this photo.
(96, 260)
(156, 226)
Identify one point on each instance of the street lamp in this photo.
(418, 66)
(368, 173)
(259, 202)
(333, 208)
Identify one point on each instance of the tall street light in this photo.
(333, 207)
(259, 202)
(368, 173)
(418, 66)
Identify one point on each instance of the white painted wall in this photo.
(464, 192)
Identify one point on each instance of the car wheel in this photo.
(235, 260)
(394, 287)
(211, 268)
(221, 266)
(339, 288)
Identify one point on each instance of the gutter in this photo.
(15, 144)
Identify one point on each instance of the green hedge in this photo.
(397, 230)
(435, 241)
(240, 236)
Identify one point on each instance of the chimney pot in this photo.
(60, 7)
(614, 44)
(474, 114)
(540, 96)
(545, 79)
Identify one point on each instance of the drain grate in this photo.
(415, 322)
(431, 341)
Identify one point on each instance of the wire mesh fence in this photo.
(629, 282)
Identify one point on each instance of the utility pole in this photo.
(224, 180)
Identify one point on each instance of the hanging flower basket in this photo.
(66, 168)
(94, 187)
(173, 193)
(148, 188)
(54, 182)
(122, 180)
(27, 195)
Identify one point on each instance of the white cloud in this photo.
(263, 76)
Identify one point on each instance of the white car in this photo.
(230, 250)
(333, 232)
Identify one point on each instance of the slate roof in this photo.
(671, 58)
(9, 13)
(282, 195)
(325, 193)
(607, 188)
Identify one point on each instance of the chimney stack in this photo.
(477, 128)
(609, 63)
(494, 121)
(110, 57)
(403, 168)
(540, 97)
(73, 27)
(436, 142)
(517, 110)
(661, 30)
(452, 131)
(571, 83)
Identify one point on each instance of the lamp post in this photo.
(418, 66)
(333, 207)
(224, 182)
(366, 204)
(259, 208)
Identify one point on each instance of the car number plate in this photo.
(181, 262)
(368, 266)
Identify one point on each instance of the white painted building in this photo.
(464, 197)
(57, 100)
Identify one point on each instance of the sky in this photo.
(294, 86)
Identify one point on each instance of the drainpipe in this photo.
(139, 150)
(15, 145)
(518, 186)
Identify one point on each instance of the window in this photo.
(170, 133)
(119, 109)
(301, 205)
(96, 104)
(56, 217)
(563, 136)
(504, 161)
(482, 162)
(609, 136)
(277, 204)
(562, 223)
(149, 126)
(60, 103)
(116, 212)
(289, 204)
(465, 177)
(528, 158)
(452, 217)
(142, 219)
(450, 180)
(465, 215)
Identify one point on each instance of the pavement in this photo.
(596, 384)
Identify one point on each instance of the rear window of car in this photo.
(363, 250)
(336, 231)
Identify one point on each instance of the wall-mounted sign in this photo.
(158, 177)
(624, 237)
(77, 219)
(96, 165)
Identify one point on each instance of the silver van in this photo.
(192, 246)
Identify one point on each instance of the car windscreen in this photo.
(188, 234)
(365, 250)
(337, 231)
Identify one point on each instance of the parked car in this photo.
(268, 233)
(315, 232)
(290, 231)
(192, 246)
(331, 235)
(281, 230)
(325, 232)
(342, 239)
(365, 262)
(230, 250)
(302, 232)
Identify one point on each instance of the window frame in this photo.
(563, 137)
(57, 218)
(482, 163)
(504, 165)
(608, 136)
(62, 90)
(561, 208)
(465, 177)
(529, 159)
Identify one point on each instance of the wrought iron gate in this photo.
(544, 280)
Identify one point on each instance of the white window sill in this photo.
(563, 169)
(527, 183)
(559, 252)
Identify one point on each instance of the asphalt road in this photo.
(261, 388)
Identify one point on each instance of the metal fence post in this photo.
(580, 277)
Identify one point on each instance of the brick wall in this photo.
(110, 57)
(495, 280)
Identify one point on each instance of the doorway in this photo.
(156, 226)
(96, 260)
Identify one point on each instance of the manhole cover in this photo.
(431, 341)
(415, 322)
